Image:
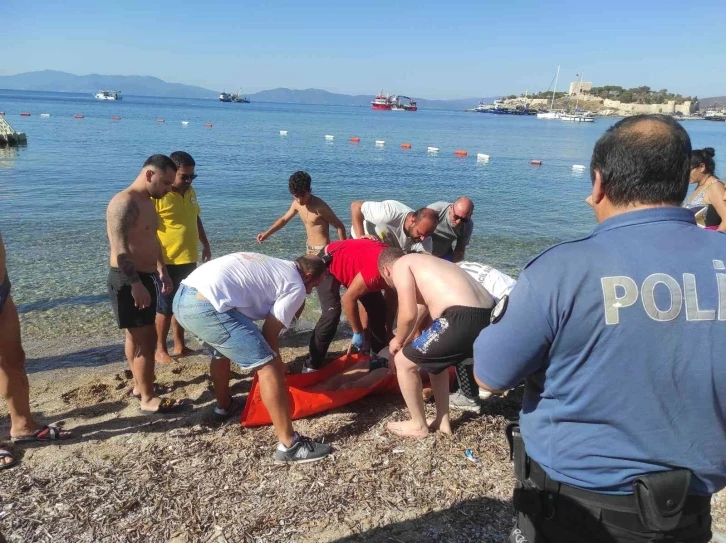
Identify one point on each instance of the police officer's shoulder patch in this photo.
(499, 309)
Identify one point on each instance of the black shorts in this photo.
(177, 272)
(124, 307)
(449, 340)
(4, 291)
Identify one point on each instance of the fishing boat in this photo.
(234, 98)
(108, 95)
(397, 105)
(381, 102)
(552, 113)
(712, 115)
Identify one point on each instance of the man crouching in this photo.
(455, 308)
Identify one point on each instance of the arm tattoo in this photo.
(122, 218)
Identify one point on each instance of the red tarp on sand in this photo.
(304, 403)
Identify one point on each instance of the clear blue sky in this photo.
(448, 49)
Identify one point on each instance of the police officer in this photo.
(621, 337)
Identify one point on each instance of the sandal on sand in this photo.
(47, 433)
(6, 454)
(158, 390)
(166, 406)
(234, 404)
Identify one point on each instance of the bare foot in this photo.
(160, 405)
(408, 428)
(185, 351)
(162, 357)
(442, 426)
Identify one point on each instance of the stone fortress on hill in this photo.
(603, 100)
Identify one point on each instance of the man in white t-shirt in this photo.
(394, 223)
(219, 302)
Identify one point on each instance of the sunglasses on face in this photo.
(460, 218)
(188, 177)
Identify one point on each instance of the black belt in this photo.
(617, 509)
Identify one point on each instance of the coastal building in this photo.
(578, 88)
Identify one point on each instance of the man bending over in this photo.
(458, 309)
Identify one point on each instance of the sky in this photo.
(441, 50)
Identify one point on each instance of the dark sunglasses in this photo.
(460, 218)
(187, 177)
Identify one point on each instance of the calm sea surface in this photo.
(54, 192)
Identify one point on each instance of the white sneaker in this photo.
(484, 394)
(458, 401)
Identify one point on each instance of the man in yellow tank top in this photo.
(180, 231)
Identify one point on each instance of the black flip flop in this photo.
(46, 433)
(7, 454)
(158, 390)
(166, 407)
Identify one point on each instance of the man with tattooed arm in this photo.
(138, 273)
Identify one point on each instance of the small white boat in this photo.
(578, 117)
(553, 114)
(108, 95)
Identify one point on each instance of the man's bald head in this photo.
(461, 211)
(643, 160)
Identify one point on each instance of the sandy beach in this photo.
(127, 477)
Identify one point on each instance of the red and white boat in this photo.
(381, 102)
(388, 103)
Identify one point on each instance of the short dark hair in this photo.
(425, 213)
(311, 264)
(160, 162)
(643, 159)
(182, 159)
(705, 157)
(388, 257)
(299, 183)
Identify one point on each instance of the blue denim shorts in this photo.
(230, 335)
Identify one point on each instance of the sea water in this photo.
(54, 192)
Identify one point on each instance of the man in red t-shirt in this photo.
(353, 264)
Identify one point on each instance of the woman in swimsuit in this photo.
(709, 193)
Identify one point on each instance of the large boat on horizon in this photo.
(386, 102)
(237, 98)
(108, 95)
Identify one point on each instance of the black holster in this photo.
(526, 498)
(660, 498)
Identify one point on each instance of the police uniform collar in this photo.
(643, 216)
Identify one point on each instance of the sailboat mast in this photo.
(554, 91)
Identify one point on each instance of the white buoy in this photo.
(380, 143)
(45, 114)
(578, 167)
(283, 132)
(328, 137)
(185, 123)
(481, 157)
(432, 149)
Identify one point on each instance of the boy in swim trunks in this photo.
(315, 214)
(456, 309)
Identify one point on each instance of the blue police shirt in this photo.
(623, 337)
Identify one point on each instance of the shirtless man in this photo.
(457, 307)
(315, 214)
(14, 386)
(133, 283)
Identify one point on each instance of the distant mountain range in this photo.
(715, 102)
(139, 85)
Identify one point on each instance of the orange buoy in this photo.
(405, 146)
(355, 139)
(25, 114)
(115, 118)
(159, 120)
(209, 125)
(78, 116)
(535, 162)
(460, 152)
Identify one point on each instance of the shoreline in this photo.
(180, 479)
